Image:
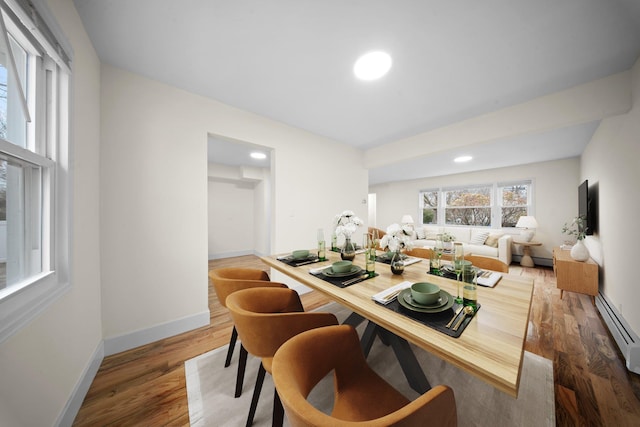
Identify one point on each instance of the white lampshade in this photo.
(407, 219)
(528, 225)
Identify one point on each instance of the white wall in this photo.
(231, 218)
(555, 196)
(154, 194)
(41, 365)
(611, 162)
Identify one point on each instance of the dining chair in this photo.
(226, 281)
(361, 396)
(487, 263)
(265, 319)
(419, 252)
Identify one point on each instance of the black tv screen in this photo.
(586, 208)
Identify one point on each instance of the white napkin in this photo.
(318, 270)
(382, 296)
(490, 280)
(412, 260)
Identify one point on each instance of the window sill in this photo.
(27, 300)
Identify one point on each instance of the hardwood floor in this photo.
(146, 385)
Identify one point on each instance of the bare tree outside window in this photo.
(514, 203)
(468, 206)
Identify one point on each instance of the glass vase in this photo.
(348, 252)
(397, 263)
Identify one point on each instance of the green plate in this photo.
(353, 271)
(443, 300)
(405, 304)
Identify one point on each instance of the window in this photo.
(468, 206)
(34, 239)
(489, 205)
(514, 202)
(429, 206)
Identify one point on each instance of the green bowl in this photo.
(425, 293)
(300, 254)
(341, 266)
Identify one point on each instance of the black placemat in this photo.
(339, 281)
(435, 321)
(311, 259)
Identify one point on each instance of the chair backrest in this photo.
(267, 317)
(305, 359)
(487, 263)
(228, 280)
(419, 252)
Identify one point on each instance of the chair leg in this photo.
(242, 363)
(232, 346)
(256, 395)
(278, 410)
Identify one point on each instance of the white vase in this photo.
(579, 251)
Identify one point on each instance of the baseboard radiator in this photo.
(627, 340)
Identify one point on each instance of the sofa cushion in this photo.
(482, 250)
(478, 237)
(461, 234)
(492, 240)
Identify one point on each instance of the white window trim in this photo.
(29, 299)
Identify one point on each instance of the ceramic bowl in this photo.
(425, 293)
(300, 254)
(341, 266)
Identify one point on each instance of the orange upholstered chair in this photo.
(226, 281)
(419, 253)
(487, 263)
(265, 319)
(361, 397)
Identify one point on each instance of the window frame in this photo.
(48, 137)
(495, 200)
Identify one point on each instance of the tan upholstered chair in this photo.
(487, 263)
(362, 398)
(419, 253)
(226, 281)
(380, 234)
(265, 319)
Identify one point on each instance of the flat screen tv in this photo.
(587, 206)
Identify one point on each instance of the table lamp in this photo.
(407, 220)
(528, 224)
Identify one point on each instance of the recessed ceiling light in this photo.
(462, 159)
(258, 155)
(372, 65)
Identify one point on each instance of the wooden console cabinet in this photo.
(575, 276)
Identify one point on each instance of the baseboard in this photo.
(627, 340)
(230, 254)
(145, 336)
(79, 392)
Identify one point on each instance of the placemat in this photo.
(339, 281)
(298, 262)
(435, 321)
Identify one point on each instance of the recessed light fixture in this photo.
(462, 159)
(258, 155)
(372, 65)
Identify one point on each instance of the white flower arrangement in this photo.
(448, 237)
(397, 237)
(346, 224)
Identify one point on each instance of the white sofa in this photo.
(475, 240)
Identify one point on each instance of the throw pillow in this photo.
(479, 238)
(420, 233)
(492, 240)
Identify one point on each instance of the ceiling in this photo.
(291, 60)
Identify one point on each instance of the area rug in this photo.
(210, 389)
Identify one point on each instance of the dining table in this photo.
(490, 346)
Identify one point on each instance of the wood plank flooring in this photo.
(146, 385)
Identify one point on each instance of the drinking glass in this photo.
(470, 290)
(322, 256)
(458, 258)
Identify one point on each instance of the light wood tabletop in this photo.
(490, 348)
